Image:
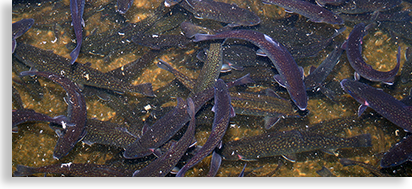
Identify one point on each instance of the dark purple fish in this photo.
(316, 78)
(398, 154)
(19, 28)
(325, 172)
(329, 2)
(76, 112)
(25, 115)
(223, 111)
(165, 163)
(214, 164)
(157, 134)
(383, 103)
(76, 11)
(290, 75)
(406, 72)
(314, 12)
(362, 6)
(374, 170)
(75, 169)
(123, 6)
(354, 54)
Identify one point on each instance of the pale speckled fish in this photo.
(290, 75)
(354, 54)
(383, 103)
(76, 11)
(314, 12)
(287, 143)
(223, 111)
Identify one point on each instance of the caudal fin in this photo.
(201, 37)
(362, 140)
(145, 89)
(23, 171)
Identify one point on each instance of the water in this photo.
(34, 143)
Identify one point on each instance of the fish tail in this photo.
(362, 140)
(23, 171)
(201, 37)
(145, 89)
(191, 107)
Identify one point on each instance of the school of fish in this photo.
(214, 83)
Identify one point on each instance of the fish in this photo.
(290, 75)
(354, 53)
(316, 77)
(75, 169)
(406, 72)
(123, 6)
(165, 163)
(74, 130)
(108, 133)
(362, 6)
(397, 16)
(16, 99)
(269, 105)
(314, 12)
(214, 164)
(184, 79)
(325, 172)
(76, 11)
(399, 153)
(19, 28)
(347, 162)
(155, 135)
(211, 68)
(223, 112)
(112, 43)
(81, 74)
(329, 2)
(172, 122)
(158, 42)
(27, 115)
(384, 104)
(286, 144)
(231, 14)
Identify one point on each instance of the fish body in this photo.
(76, 113)
(398, 154)
(290, 76)
(406, 73)
(316, 78)
(25, 115)
(383, 103)
(76, 11)
(314, 12)
(108, 133)
(271, 106)
(219, 11)
(362, 6)
(161, 131)
(75, 169)
(165, 163)
(47, 61)
(354, 54)
(19, 28)
(223, 111)
(286, 143)
(123, 6)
